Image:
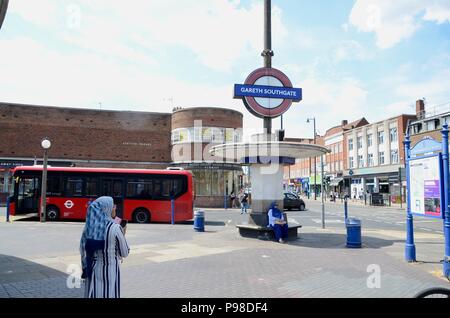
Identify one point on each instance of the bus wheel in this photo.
(52, 213)
(141, 216)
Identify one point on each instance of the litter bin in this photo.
(199, 221)
(353, 233)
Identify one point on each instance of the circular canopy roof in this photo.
(236, 151)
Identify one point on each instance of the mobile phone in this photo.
(123, 223)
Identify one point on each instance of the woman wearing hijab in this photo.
(278, 223)
(102, 246)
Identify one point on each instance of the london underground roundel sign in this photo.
(267, 92)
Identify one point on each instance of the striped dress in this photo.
(105, 279)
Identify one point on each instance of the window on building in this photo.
(238, 135)
(184, 135)
(350, 144)
(359, 142)
(416, 128)
(433, 124)
(206, 134)
(197, 134)
(175, 136)
(393, 134)
(380, 137)
(369, 140)
(437, 123)
(370, 160)
(351, 164)
(229, 135)
(217, 134)
(381, 158)
(394, 156)
(360, 161)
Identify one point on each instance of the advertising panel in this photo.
(425, 186)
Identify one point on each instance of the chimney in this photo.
(420, 109)
(344, 123)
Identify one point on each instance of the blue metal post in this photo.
(444, 205)
(410, 248)
(345, 210)
(225, 197)
(7, 209)
(172, 205)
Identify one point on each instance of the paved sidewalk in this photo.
(175, 261)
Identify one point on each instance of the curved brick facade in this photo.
(213, 183)
(210, 117)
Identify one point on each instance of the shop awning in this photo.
(335, 182)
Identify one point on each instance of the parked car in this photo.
(292, 201)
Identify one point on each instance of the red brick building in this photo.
(105, 138)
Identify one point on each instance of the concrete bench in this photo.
(264, 232)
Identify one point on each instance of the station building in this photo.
(123, 139)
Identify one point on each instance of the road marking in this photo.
(401, 234)
(292, 221)
(319, 221)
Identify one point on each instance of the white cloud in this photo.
(218, 32)
(40, 13)
(329, 102)
(350, 50)
(394, 21)
(437, 87)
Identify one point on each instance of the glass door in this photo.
(28, 195)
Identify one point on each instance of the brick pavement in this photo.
(175, 261)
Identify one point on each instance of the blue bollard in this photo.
(353, 233)
(7, 209)
(199, 221)
(345, 210)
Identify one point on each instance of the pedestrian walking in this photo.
(102, 247)
(233, 199)
(244, 201)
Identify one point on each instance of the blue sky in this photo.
(352, 58)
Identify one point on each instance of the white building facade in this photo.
(374, 157)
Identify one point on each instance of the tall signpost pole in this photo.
(444, 205)
(315, 164)
(410, 248)
(267, 53)
(322, 192)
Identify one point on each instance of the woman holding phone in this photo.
(102, 247)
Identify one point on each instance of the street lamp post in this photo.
(45, 144)
(315, 165)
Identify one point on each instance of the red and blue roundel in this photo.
(267, 92)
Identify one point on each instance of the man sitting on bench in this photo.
(278, 223)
